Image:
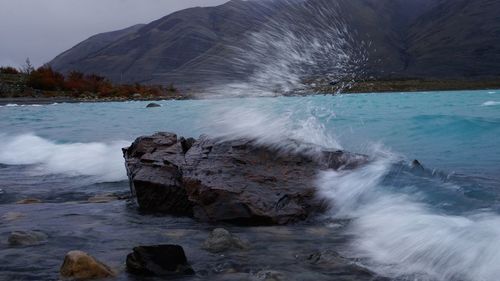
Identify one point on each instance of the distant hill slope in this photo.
(400, 38)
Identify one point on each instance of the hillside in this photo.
(434, 39)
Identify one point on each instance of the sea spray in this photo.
(257, 120)
(101, 161)
(302, 46)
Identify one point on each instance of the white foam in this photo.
(400, 237)
(103, 161)
(491, 103)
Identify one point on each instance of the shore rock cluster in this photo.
(238, 181)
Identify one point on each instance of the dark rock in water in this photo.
(161, 260)
(237, 181)
(336, 264)
(221, 240)
(79, 265)
(27, 238)
(153, 105)
(415, 165)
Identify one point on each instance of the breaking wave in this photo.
(102, 161)
(402, 236)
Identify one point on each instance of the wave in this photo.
(102, 161)
(401, 236)
(491, 103)
(21, 105)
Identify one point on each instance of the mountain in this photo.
(379, 38)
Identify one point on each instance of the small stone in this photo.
(160, 260)
(153, 105)
(29, 201)
(26, 238)
(221, 240)
(79, 265)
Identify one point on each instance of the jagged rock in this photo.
(221, 240)
(26, 238)
(239, 181)
(81, 266)
(153, 105)
(29, 201)
(161, 260)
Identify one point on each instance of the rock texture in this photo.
(81, 266)
(161, 260)
(237, 181)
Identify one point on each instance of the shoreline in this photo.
(369, 87)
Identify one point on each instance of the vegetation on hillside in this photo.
(44, 82)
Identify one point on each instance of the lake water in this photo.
(442, 223)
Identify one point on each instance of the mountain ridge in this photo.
(427, 39)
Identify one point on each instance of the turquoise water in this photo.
(441, 223)
(451, 131)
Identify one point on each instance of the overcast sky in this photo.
(42, 29)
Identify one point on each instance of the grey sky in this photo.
(41, 29)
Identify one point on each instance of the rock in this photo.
(29, 201)
(238, 181)
(335, 263)
(104, 198)
(26, 238)
(416, 165)
(153, 105)
(221, 240)
(161, 260)
(79, 265)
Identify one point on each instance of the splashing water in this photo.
(296, 51)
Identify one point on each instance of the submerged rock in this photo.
(81, 266)
(161, 260)
(152, 105)
(221, 240)
(29, 201)
(239, 181)
(269, 275)
(26, 238)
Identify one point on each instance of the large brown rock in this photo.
(237, 181)
(81, 266)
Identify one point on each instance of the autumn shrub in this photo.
(8, 70)
(44, 78)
